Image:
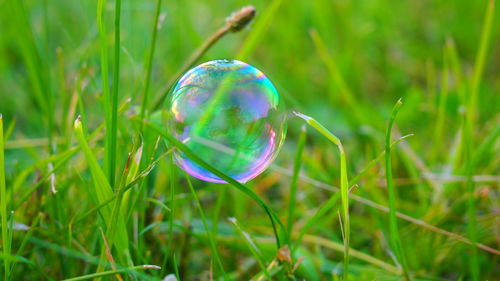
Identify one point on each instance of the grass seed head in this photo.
(239, 19)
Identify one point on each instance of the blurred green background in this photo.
(345, 63)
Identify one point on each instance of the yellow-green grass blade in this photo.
(3, 206)
(103, 192)
(344, 187)
(394, 238)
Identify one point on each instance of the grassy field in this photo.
(366, 186)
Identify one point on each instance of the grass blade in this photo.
(103, 193)
(205, 225)
(469, 132)
(480, 61)
(150, 64)
(190, 154)
(113, 129)
(344, 185)
(101, 26)
(295, 176)
(112, 272)
(253, 248)
(393, 222)
(3, 206)
(330, 205)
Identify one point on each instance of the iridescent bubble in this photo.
(229, 114)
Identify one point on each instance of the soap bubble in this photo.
(229, 114)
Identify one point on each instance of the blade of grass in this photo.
(113, 131)
(113, 272)
(150, 64)
(251, 245)
(443, 99)
(3, 205)
(344, 187)
(59, 159)
(26, 237)
(103, 192)
(480, 62)
(469, 132)
(110, 232)
(332, 201)
(394, 238)
(295, 176)
(129, 185)
(353, 253)
(190, 154)
(400, 215)
(344, 91)
(205, 225)
(101, 26)
(171, 253)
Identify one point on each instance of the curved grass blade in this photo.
(344, 184)
(190, 154)
(102, 193)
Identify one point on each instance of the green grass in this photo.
(394, 237)
(6, 247)
(102, 199)
(344, 187)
